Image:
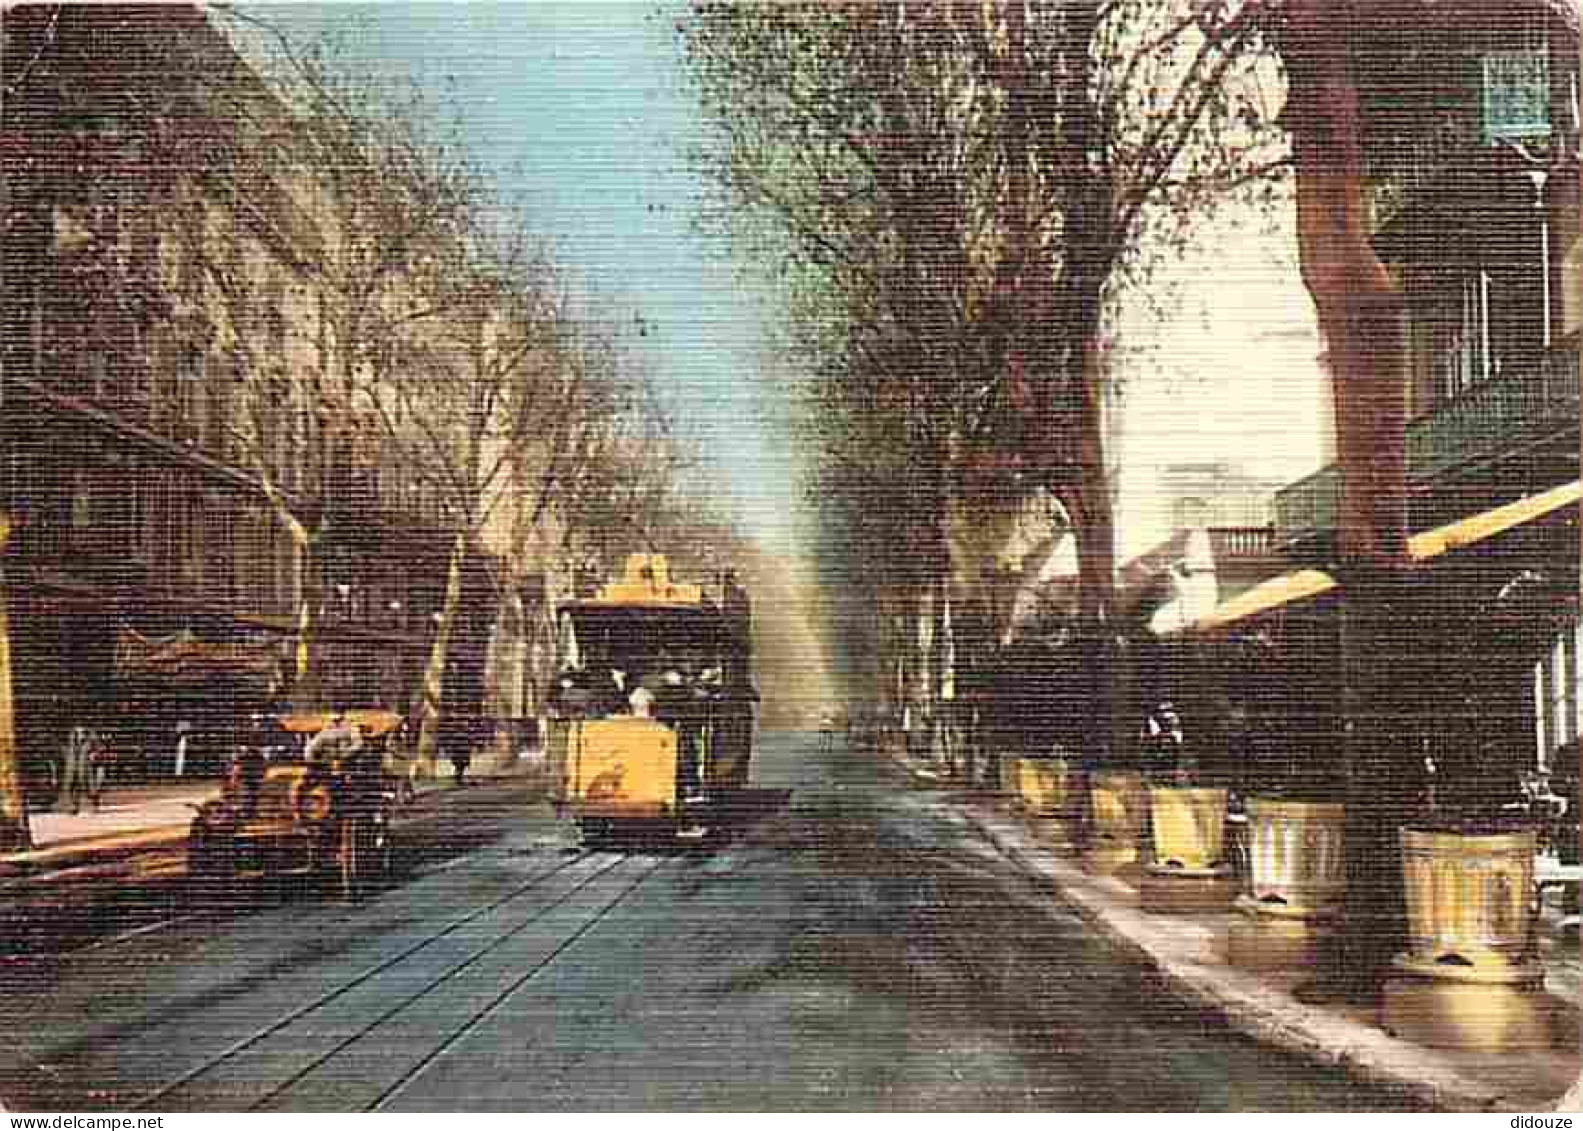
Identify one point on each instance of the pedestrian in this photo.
(74, 767)
(461, 759)
(100, 757)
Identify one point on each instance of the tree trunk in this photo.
(434, 674)
(1089, 506)
(943, 688)
(1360, 311)
(306, 689)
(920, 719)
(1070, 320)
(15, 835)
(1360, 307)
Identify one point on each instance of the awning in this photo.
(1431, 544)
(184, 660)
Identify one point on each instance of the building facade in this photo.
(1471, 159)
(152, 578)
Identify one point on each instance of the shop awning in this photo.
(185, 660)
(1300, 584)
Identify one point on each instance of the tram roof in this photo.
(1297, 585)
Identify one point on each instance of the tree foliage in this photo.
(953, 196)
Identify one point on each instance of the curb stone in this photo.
(1248, 1004)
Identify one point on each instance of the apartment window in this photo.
(104, 518)
(1454, 309)
(154, 506)
(187, 524)
(1558, 694)
(192, 404)
(137, 541)
(136, 387)
(1516, 93)
(228, 410)
(98, 369)
(1192, 511)
(81, 506)
(216, 538)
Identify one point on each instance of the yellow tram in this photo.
(652, 719)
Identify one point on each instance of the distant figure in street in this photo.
(100, 757)
(827, 729)
(74, 767)
(461, 759)
(401, 762)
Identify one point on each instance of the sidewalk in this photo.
(1188, 954)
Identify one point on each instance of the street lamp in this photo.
(1537, 170)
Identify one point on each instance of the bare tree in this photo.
(498, 404)
(615, 497)
(957, 193)
(327, 188)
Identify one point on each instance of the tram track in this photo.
(427, 993)
(414, 1074)
(97, 947)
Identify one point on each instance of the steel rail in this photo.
(241, 1045)
(416, 1072)
(439, 982)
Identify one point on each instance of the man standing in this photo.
(74, 767)
(100, 756)
(462, 754)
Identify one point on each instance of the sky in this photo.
(580, 108)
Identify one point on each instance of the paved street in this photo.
(861, 949)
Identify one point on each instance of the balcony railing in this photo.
(1492, 414)
(1525, 404)
(1240, 543)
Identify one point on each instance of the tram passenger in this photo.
(682, 703)
(625, 678)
